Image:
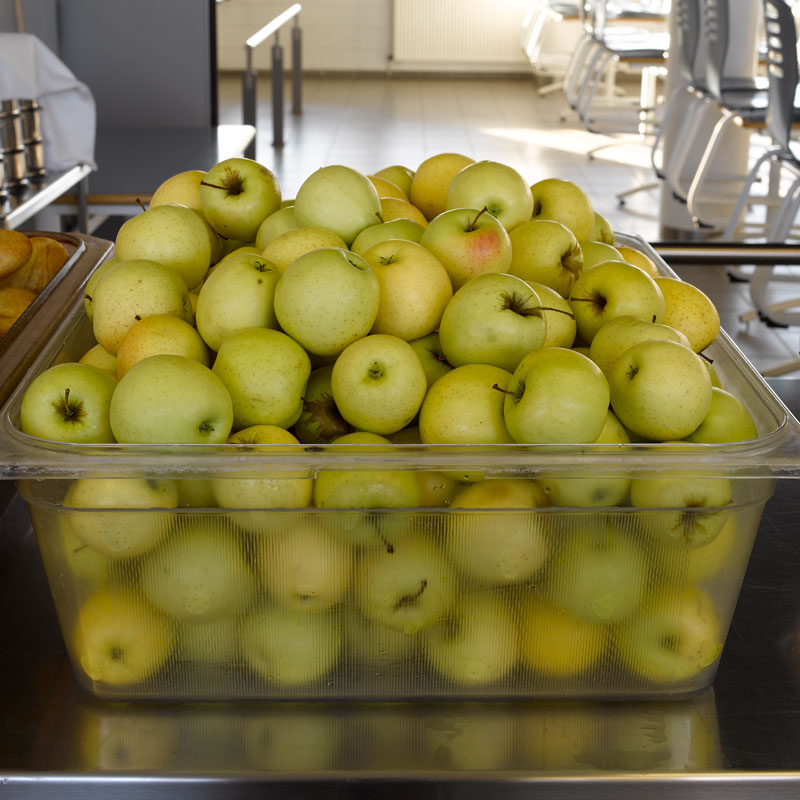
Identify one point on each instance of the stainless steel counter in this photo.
(741, 739)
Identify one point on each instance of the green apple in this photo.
(338, 198)
(594, 492)
(173, 235)
(195, 493)
(88, 565)
(497, 187)
(160, 334)
(320, 421)
(493, 318)
(327, 299)
(378, 383)
(364, 489)
(91, 284)
(560, 327)
(564, 201)
(603, 232)
(614, 337)
(406, 229)
(476, 643)
(118, 639)
(199, 572)
(429, 350)
(498, 541)
(555, 643)
(727, 420)
(546, 251)
(120, 517)
(373, 645)
(691, 311)
(660, 390)
(132, 290)
(301, 239)
(214, 642)
(237, 195)
(414, 288)
(468, 242)
(614, 289)
(183, 188)
(464, 407)
(408, 587)
(556, 395)
(279, 221)
(272, 489)
(98, 356)
(428, 190)
(696, 507)
(597, 252)
(399, 175)
(599, 573)
(305, 567)
(69, 402)
(266, 372)
(290, 648)
(238, 294)
(169, 399)
(676, 636)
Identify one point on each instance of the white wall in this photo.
(356, 35)
(337, 34)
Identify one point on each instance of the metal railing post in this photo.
(297, 68)
(277, 93)
(250, 76)
(249, 82)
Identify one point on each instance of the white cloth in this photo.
(29, 70)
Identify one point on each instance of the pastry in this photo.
(15, 250)
(13, 301)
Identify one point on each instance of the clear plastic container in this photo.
(164, 595)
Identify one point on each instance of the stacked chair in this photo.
(589, 85)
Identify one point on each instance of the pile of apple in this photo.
(451, 305)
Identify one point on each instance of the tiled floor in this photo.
(371, 122)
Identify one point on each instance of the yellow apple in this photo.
(387, 188)
(399, 175)
(157, 334)
(414, 288)
(691, 311)
(183, 188)
(639, 259)
(554, 642)
(431, 180)
(396, 208)
(119, 639)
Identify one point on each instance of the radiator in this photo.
(458, 32)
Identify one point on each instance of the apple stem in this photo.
(557, 310)
(706, 358)
(408, 599)
(516, 394)
(474, 222)
(213, 185)
(141, 204)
